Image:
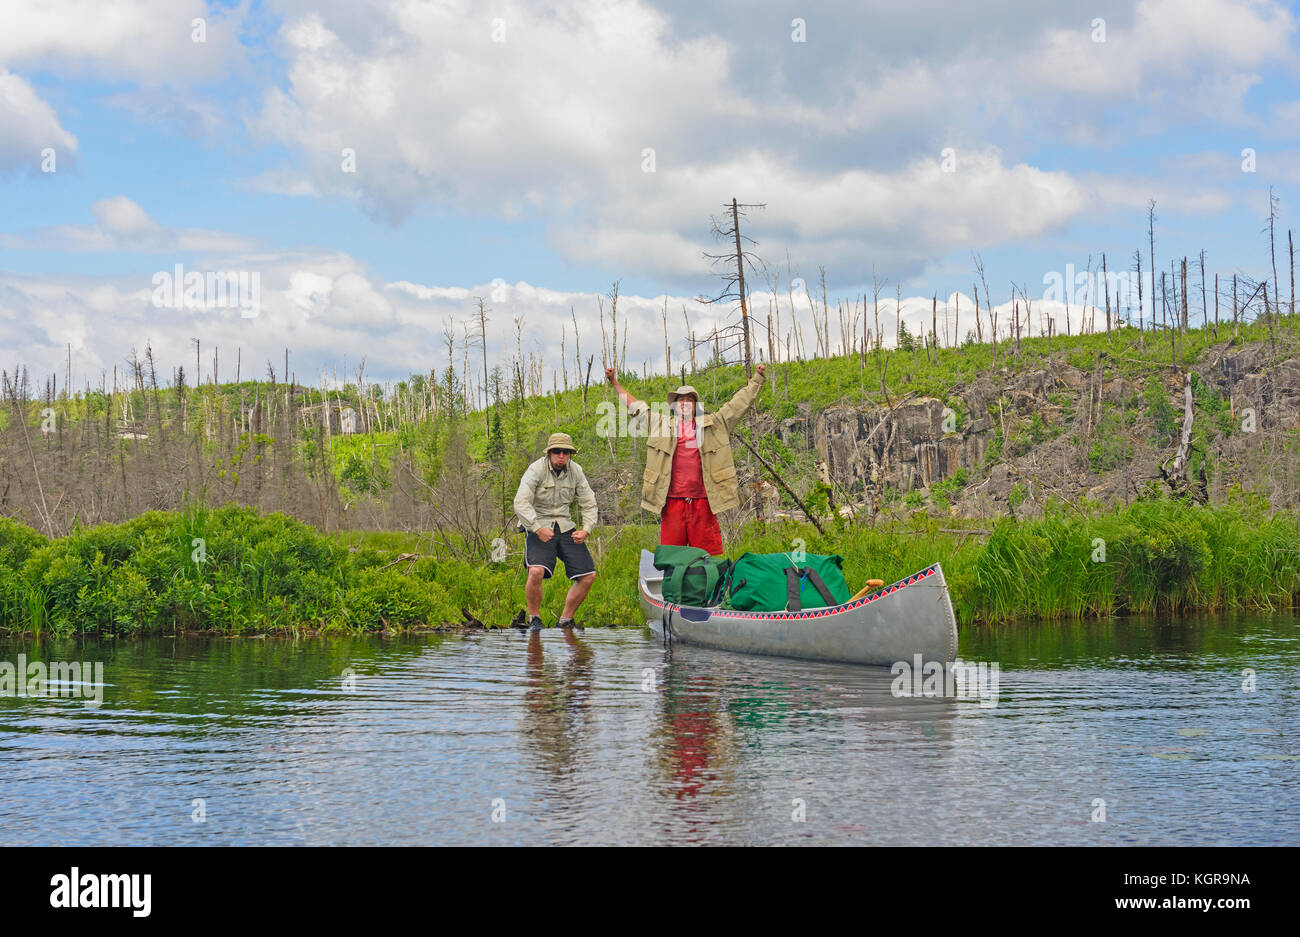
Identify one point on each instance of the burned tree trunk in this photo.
(1176, 475)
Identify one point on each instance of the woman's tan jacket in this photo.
(713, 433)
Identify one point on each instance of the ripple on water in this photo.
(606, 737)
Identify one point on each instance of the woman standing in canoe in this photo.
(690, 475)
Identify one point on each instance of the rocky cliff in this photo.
(1059, 429)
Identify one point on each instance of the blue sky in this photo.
(522, 161)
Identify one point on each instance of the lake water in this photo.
(608, 737)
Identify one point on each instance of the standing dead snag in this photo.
(668, 351)
(1105, 280)
(734, 281)
(786, 488)
(1272, 251)
(577, 352)
(480, 319)
(1183, 276)
(1205, 312)
(1176, 476)
(1137, 265)
(1151, 256)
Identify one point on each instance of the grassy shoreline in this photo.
(234, 571)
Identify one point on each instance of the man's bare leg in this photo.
(533, 590)
(577, 594)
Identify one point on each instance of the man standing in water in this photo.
(544, 504)
(690, 476)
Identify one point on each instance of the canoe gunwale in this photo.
(717, 611)
(935, 637)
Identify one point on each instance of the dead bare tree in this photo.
(481, 319)
(1205, 312)
(577, 351)
(734, 270)
(876, 286)
(1137, 263)
(1151, 246)
(668, 351)
(1272, 253)
(620, 357)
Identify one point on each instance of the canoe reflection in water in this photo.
(730, 724)
(555, 701)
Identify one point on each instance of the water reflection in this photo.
(764, 738)
(665, 745)
(556, 698)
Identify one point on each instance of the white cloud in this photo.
(149, 41)
(280, 182)
(122, 217)
(441, 112)
(1189, 196)
(122, 225)
(307, 290)
(552, 122)
(328, 309)
(848, 220)
(176, 109)
(27, 126)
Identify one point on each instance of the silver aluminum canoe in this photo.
(912, 616)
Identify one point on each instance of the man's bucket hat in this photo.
(560, 441)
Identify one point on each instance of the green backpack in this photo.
(692, 576)
(773, 582)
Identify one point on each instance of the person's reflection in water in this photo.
(692, 731)
(555, 703)
(693, 711)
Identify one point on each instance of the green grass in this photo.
(232, 570)
(363, 464)
(272, 573)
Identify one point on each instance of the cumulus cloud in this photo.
(622, 129)
(120, 216)
(621, 126)
(850, 219)
(28, 126)
(329, 310)
(154, 42)
(122, 225)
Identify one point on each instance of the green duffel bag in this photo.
(692, 576)
(774, 582)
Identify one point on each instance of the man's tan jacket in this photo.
(712, 432)
(544, 498)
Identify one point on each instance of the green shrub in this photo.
(382, 599)
(1164, 418)
(270, 572)
(17, 541)
(1108, 450)
(945, 491)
